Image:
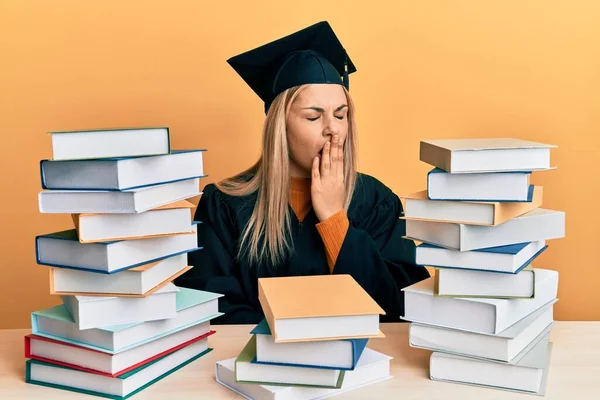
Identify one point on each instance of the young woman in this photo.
(302, 208)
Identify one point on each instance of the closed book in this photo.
(466, 283)
(536, 225)
(141, 281)
(527, 375)
(508, 259)
(116, 202)
(112, 365)
(122, 173)
(103, 143)
(485, 155)
(333, 354)
(419, 207)
(171, 219)
(63, 250)
(493, 186)
(504, 346)
(479, 315)
(248, 372)
(118, 388)
(194, 307)
(320, 307)
(96, 312)
(372, 367)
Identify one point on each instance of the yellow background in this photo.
(426, 69)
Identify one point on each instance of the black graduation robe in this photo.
(373, 252)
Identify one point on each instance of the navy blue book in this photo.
(509, 259)
(334, 354)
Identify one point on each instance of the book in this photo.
(116, 202)
(248, 372)
(320, 307)
(504, 346)
(334, 354)
(493, 186)
(527, 375)
(538, 224)
(103, 143)
(121, 387)
(194, 307)
(466, 283)
(123, 173)
(95, 312)
(112, 365)
(171, 219)
(372, 367)
(141, 281)
(479, 315)
(486, 155)
(419, 207)
(63, 250)
(504, 259)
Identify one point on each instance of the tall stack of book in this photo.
(487, 312)
(312, 342)
(122, 325)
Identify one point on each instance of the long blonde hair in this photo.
(268, 232)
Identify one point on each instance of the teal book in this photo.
(193, 307)
(121, 387)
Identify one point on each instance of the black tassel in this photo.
(346, 80)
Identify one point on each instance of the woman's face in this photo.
(318, 112)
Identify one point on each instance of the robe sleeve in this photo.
(333, 231)
(379, 259)
(215, 269)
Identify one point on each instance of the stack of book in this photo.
(122, 325)
(487, 312)
(312, 342)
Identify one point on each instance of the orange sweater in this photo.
(332, 230)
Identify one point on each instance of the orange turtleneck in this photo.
(332, 230)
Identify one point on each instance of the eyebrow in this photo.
(319, 109)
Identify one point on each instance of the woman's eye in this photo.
(312, 119)
(341, 117)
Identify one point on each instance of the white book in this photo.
(372, 367)
(62, 249)
(538, 224)
(528, 375)
(466, 283)
(479, 315)
(170, 219)
(339, 354)
(95, 312)
(105, 386)
(497, 186)
(507, 259)
(116, 202)
(114, 364)
(140, 281)
(486, 155)
(504, 346)
(122, 173)
(193, 307)
(103, 143)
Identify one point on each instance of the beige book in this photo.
(321, 307)
(419, 207)
(486, 155)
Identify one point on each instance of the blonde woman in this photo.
(302, 208)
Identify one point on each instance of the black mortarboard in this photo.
(311, 55)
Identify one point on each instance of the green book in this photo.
(247, 370)
(121, 387)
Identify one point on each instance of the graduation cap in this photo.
(311, 55)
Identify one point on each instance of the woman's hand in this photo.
(327, 185)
